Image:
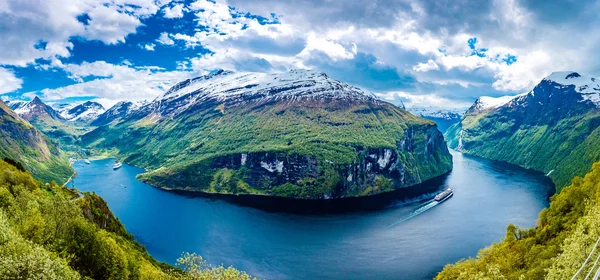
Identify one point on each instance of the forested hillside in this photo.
(50, 232)
(555, 249)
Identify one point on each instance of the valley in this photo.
(298, 145)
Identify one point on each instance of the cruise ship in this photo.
(117, 165)
(444, 195)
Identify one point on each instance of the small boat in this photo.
(444, 195)
(117, 165)
(87, 161)
(123, 186)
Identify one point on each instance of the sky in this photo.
(442, 53)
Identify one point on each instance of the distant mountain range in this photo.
(554, 128)
(84, 112)
(296, 134)
(117, 112)
(443, 117)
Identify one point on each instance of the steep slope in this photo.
(556, 249)
(296, 134)
(84, 112)
(554, 128)
(23, 143)
(443, 117)
(117, 112)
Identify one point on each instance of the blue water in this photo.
(412, 239)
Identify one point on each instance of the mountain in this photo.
(443, 117)
(37, 110)
(554, 128)
(23, 143)
(296, 134)
(84, 112)
(117, 112)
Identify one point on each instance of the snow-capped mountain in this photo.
(552, 127)
(36, 109)
(587, 86)
(245, 87)
(436, 112)
(117, 112)
(85, 112)
(284, 127)
(443, 117)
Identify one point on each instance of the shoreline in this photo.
(319, 206)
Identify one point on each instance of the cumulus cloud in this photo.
(43, 28)
(149, 47)
(412, 51)
(165, 39)
(8, 81)
(424, 67)
(114, 82)
(174, 12)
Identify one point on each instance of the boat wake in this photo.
(424, 207)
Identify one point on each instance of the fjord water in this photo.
(410, 239)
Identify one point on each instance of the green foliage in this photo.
(555, 249)
(50, 232)
(197, 268)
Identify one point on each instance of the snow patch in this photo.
(228, 85)
(383, 162)
(244, 158)
(272, 166)
(437, 112)
(589, 87)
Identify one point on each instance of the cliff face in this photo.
(298, 134)
(374, 170)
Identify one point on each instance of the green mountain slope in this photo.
(554, 129)
(297, 134)
(21, 142)
(555, 249)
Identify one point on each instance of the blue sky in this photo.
(419, 52)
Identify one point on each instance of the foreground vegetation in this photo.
(555, 249)
(50, 232)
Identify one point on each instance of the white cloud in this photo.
(165, 39)
(8, 81)
(25, 24)
(174, 12)
(328, 46)
(110, 25)
(116, 82)
(424, 67)
(411, 100)
(149, 47)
